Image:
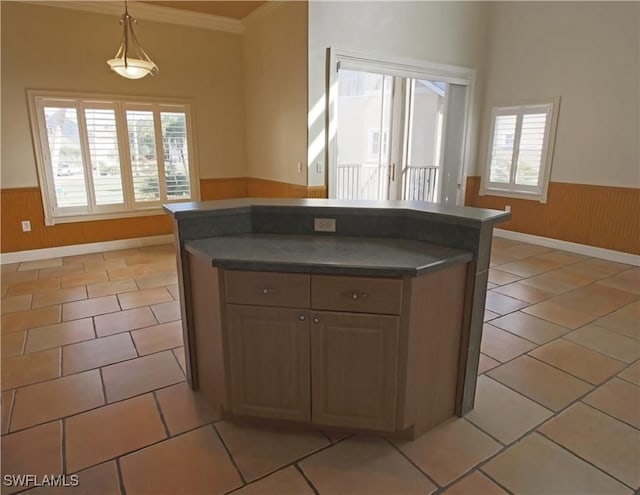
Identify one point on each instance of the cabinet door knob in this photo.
(269, 290)
(359, 295)
(301, 318)
(316, 320)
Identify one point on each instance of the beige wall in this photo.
(275, 64)
(452, 33)
(61, 49)
(588, 54)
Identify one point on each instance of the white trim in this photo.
(151, 13)
(572, 247)
(261, 11)
(94, 247)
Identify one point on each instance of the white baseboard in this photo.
(572, 247)
(94, 247)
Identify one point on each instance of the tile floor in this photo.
(93, 384)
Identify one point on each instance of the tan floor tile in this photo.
(375, 468)
(538, 381)
(89, 307)
(336, 436)
(23, 320)
(561, 258)
(450, 450)
(9, 268)
(165, 312)
(603, 441)
(594, 299)
(285, 481)
(141, 375)
(193, 463)
(12, 304)
(82, 258)
(97, 352)
(141, 271)
(35, 265)
(502, 345)
(33, 286)
(99, 480)
(584, 363)
(110, 431)
(530, 327)
(259, 450)
(486, 363)
(626, 321)
(183, 409)
(524, 292)
(607, 342)
(13, 344)
(6, 405)
(174, 291)
(560, 315)
(501, 278)
(632, 373)
(76, 279)
(10, 278)
(158, 338)
(617, 398)
(498, 258)
(109, 288)
(63, 397)
(489, 315)
(58, 271)
(179, 354)
(35, 451)
(58, 296)
(149, 258)
(538, 466)
(157, 281)
(120, 253)
(503, 304)
(529, 267)
(597, 268)
(165, 247)
(628, 280)
(475, 484)
(503, 413)
(31, 368)
(106, 265)
(123, 321)
(557, 281)
(59, 334)
(524, 250)
(144, 297)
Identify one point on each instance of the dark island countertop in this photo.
(339, 255)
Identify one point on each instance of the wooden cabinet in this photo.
(269, 362)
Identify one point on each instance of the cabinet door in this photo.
(354, 370)
(269, 362)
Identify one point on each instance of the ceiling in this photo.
(237, 9)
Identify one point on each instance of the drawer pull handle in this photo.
(316, 320)
(356, 295)
(301, 318)
(269, 290)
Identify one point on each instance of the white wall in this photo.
(275, 72)
(588, 53)
(61, 49)
(451, 33)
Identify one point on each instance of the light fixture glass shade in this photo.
(131, 61)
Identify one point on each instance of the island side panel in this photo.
(207, 344)
(433, 347)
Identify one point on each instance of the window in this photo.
(101, 157)
(520, 149)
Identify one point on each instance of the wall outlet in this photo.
(324, 224)
(26, 226)
(507, 208)
(299, 167)
(319, 167)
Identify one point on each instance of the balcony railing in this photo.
(357, 181)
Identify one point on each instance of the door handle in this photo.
(393, 171)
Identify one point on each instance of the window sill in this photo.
(92, 217)
(531, 196)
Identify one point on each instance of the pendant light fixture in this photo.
(131, 61)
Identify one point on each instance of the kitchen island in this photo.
(364, 316)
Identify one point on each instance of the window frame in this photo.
(39, 99)
(518, 191)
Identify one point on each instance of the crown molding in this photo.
(150, 13)
(268, 6)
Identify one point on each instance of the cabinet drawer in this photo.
(356, 294)
(267, 288)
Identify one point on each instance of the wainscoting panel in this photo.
(600, 216)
